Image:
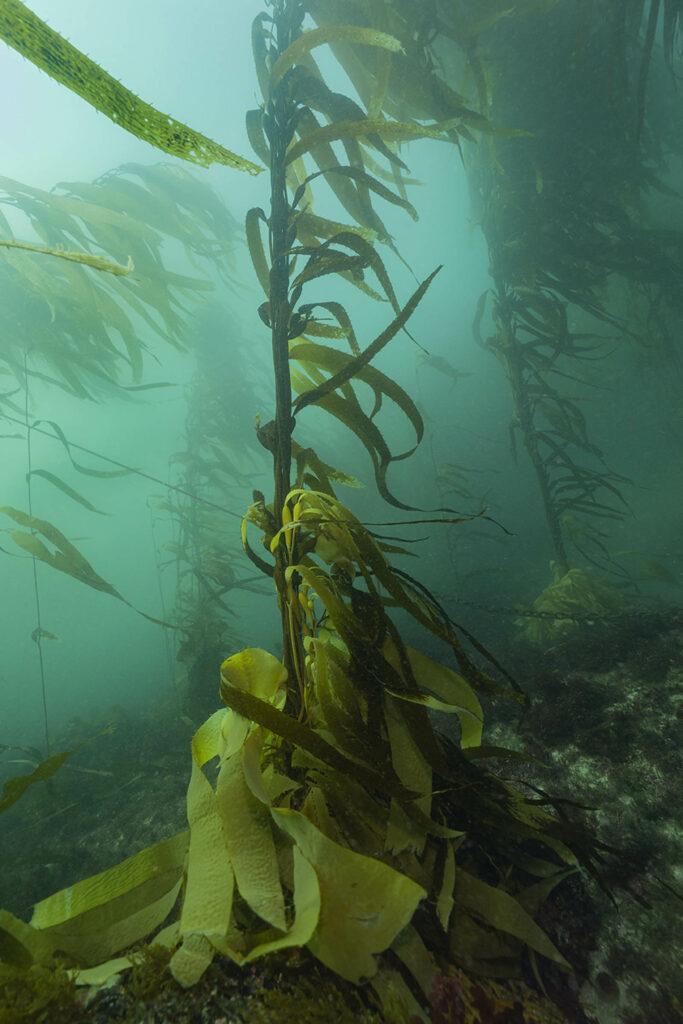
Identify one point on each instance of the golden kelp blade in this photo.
(364, 903)
(207, 906)
(101, 915)
(248, 833)
(25, 32)
(86, 258)
(20, 944)
(501, 910)
(453, 693)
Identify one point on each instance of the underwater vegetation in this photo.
(330, 827)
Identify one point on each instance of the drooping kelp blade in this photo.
(66, 489)
(34, 39)
(65, 558)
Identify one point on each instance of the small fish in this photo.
(442, 366)
(39, 634)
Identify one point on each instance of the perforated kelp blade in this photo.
(34, 39)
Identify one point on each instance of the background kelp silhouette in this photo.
(338, 819)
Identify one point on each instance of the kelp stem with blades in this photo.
(510, 349)
(278, 123)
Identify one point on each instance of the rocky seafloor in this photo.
(605, 721)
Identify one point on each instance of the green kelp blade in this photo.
(25, 32)
(349, 368)
(255, 243)
(357, 174)
(64, 487)
(20, 944)
(341, 316)
(343, 187)
(367, 255)
(15, 787)
(66, 558)
(348, 410)
(501, 910)
(88, 259)
(99, 473)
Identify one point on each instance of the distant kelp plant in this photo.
(565, 216)
(213, 470)
(79, 314)
(324, 810)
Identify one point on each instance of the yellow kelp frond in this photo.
(318, 475)
(207, 905)
(20, 944)
(572, 598)
(335, 34)
(104, 914)
(86, 258)
(15, 787)
(364, 903)
(256, 672)
(453, 693)
(25, 32)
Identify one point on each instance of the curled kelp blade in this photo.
(320, 36)
(350, 367)
(392, 130)
(33, 38)
(357, 174)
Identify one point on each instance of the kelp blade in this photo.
(25, 32)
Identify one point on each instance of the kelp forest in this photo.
(411, 560)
